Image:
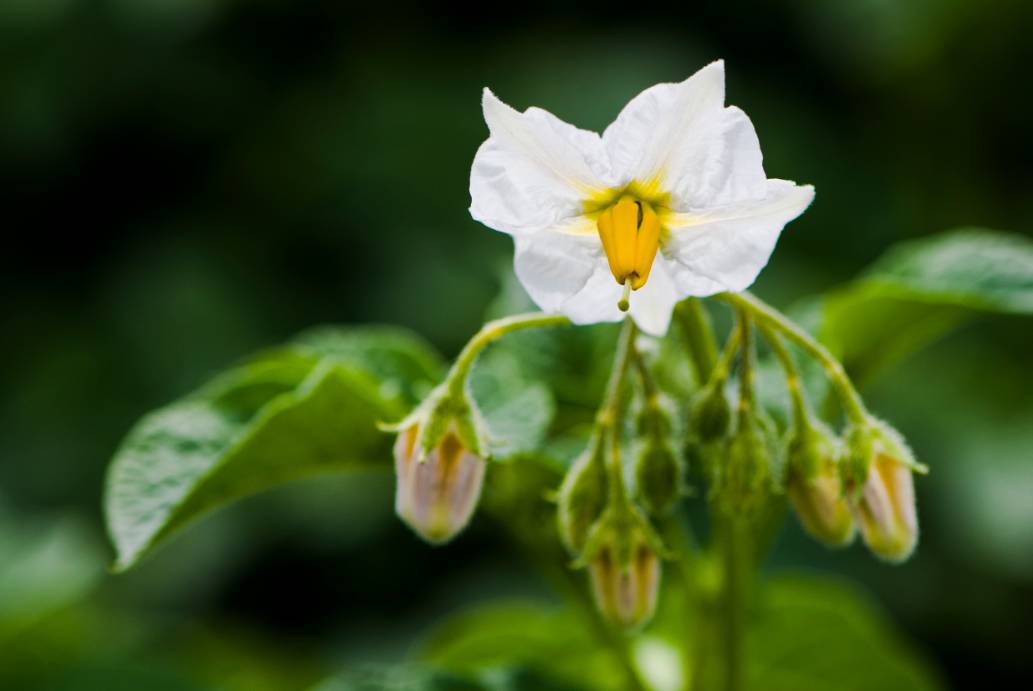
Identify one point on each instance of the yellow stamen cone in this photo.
(630, 233)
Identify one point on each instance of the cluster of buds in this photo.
(439, 464)
(877, 472)
(605, 532)
(600, 523)
(862, 483)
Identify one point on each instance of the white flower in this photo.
(670, 201)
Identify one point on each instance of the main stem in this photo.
(735, 573)
(734, 537)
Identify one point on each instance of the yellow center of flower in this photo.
(630, 232)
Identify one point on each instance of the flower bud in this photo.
(658, 470)
(437, 495)
(658, 476)
(623, 559)
(711, 415)
(882, 489)
(742, 482)
(582, 497)
(815, 486)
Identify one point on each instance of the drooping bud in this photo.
(711, 415)
(658, 470)
(658, 477)
(878, 476)
(436, 496)
(623, 559)
(815, 485)
(439, 468)
(582, 497)
(742, 482)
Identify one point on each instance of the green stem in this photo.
(492, 331)
(768, 315)
(645, 376)
(608, 418)
(699, 334)
(735, 577)
(746, 375)
(801, 414)
(723, 368)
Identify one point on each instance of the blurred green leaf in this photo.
(552, 381)
(516, 410)
(44, 566)
(526, 634)
(921, 289)
(814, 634)
(403, 364)
(285, 415)
(398, 678)
(418, 678)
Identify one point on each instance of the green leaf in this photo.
(813, 634)
(44, 565)
(403, 364)
(920, 290)
(516, 410)
(558, 375)
(420, 678)
(285, 415)
(527, 635)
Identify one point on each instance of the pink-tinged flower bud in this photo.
(623, 559)
(815, 486)
(436, 496)
(626, 593)
(884, 501)
(886, 510)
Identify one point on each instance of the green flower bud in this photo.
(743, 481)
(658, 470)
(436, 495)
(582, 497)
(815, 486)
(653, 421)
(878, 475)
(711, 415)
(623, 559)
(658, 476)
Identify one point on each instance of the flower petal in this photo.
(535, 170)
(681, 138)
(724, 248)
(567, 274)
(554, 266)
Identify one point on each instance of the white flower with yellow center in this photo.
(671, 201)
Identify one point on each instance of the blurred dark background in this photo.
(186, 181)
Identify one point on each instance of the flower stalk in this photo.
(767, 315)
(699, 334)
(492, 331)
